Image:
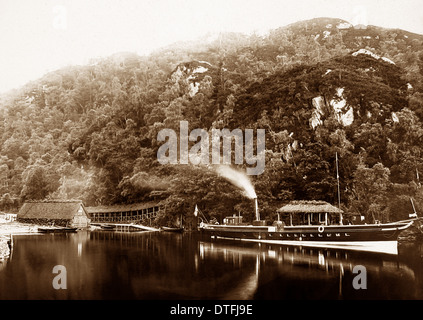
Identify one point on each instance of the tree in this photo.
(35, 184)
(6, 201)
(370, 192)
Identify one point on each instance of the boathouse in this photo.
(127, 213)
(310, 212)
(70, 213)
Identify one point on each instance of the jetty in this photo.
(136, 213)
(124, 227)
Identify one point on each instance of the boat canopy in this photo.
(311, 212)
(315, 206)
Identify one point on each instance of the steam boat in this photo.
(313, 224)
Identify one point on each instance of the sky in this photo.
(38, 36)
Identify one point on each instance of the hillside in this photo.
(319, 88)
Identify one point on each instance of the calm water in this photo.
(108, 265)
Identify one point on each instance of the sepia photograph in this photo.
(200, 157)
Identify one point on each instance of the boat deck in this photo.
(373, 237)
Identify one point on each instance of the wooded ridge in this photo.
(319, 88)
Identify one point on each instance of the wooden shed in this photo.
(57, 212)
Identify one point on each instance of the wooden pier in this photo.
(124, 227)
(137, 213)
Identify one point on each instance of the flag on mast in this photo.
(413, 215)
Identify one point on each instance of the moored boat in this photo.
(56, 229)
(174, 229)
(314, 224)
(108, 227)
(171, 229)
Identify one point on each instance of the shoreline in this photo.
(16, 228)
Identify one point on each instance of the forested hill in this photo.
(319, 87)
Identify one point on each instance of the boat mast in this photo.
(337, 178)
(339, 192)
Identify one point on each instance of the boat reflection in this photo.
(286, 272)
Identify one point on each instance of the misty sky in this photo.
(38, 36)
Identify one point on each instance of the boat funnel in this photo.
(257, 210)
(258, 222)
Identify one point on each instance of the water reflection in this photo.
(304, 273)
(110, 265)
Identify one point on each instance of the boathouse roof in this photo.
(51, 209)
(305, 206)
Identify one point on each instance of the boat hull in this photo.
(169, 229)
(375, 237)
(56, 229)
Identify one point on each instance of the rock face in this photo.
(193, 72)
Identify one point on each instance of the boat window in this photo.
(321, 218)
(317, 219)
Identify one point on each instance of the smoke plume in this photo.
(238, 179)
